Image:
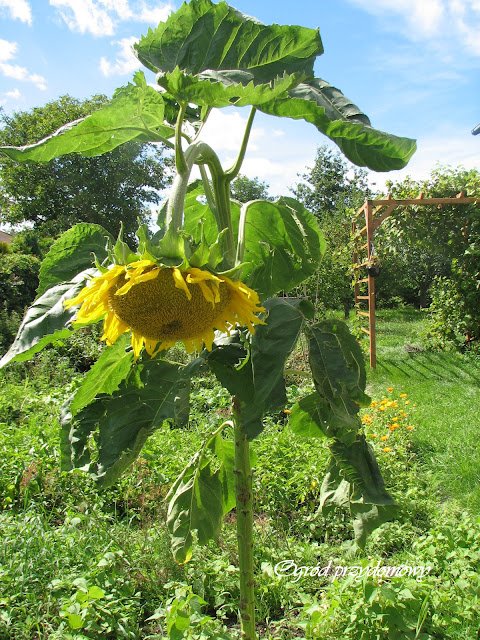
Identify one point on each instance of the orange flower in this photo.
(410, 427)
(382, 408)
(374, 404)
(391, 427)
(387, 449)
(389, 388)
(287, 411)
(373, 435)
(403, 395)
(384, 438)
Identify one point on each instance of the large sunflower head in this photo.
(164, 305)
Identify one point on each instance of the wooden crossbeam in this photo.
(365, 330)
(363, 297)
(423, 201)
(363, 313)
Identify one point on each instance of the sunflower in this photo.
(164, 305)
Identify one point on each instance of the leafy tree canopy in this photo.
(246, 189)
(53, 196)
(332, 185)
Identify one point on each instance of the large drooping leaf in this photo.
(271, 345)
(73, 252)
(123, 421)
(204, 36)
(256, 379)
(343, 122)
(111, 368)
(200, 497)
(314, 417)
(354, 480)
(338, 366)
(136, 112)
(195, 504)
(283, 246)
(46, 320)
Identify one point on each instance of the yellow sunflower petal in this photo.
(137, 344)
(180, 282)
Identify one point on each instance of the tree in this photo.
(332, 185)
(332, 191)
(246, 189)
(439, 245)
(52, 196)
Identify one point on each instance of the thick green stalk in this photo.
(244, 504)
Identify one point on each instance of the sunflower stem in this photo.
(234, 171)
(244, 506)
(180, 163)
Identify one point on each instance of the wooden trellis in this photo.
(375, 212)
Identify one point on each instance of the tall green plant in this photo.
(202, 278)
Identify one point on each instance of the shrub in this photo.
(18, 280)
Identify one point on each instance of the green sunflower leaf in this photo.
(204, 36)
(283, 246)
(123, 421)
(111, 368)
(225, 88)
(195, 503)
(338, 367)
(343, 122)
(257, 378)
(315, 417)
(46, 320)
(354, 480)
(136, 112)
(73, 252)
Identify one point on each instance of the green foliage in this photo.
(246, 189)
(73, 253)
(18, 280)
(333, 190)
(431, 244)
(102, 190)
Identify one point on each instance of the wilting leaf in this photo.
(200, 497)
(123, 421)
(354, 480)
(134, 113)
(46, 320)
(334, 115)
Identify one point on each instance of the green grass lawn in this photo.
(445, 386)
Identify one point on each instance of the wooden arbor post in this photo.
(375, 212)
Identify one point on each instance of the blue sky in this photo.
(413, 66)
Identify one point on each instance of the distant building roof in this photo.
(5, 237)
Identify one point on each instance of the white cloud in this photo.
(436, 22)
(155, 14)
(14, 95)
(19, 9)
(85, 15)
(8, 51)
(100, 17)
(125, 63)
(10, 95)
